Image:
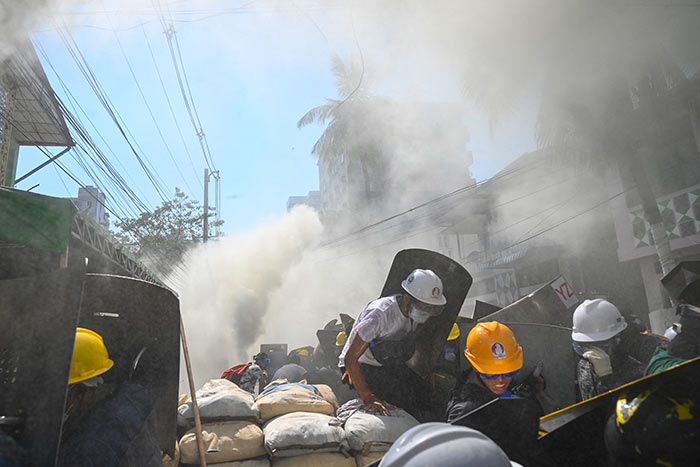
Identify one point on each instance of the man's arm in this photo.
(354, 369)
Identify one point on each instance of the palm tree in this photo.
(347, 131)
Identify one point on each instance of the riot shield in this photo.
(39, 316)
(140, 324)
(574, 435)
(541, 323)
(456, 282)
(511, 423)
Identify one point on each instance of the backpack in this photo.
(235, 373)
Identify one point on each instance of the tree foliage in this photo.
(164, 235)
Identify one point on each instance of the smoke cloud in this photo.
(226, 293)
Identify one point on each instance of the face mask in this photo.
(419, 316)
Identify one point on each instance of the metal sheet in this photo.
(39, 316)
(131, 315)
(579, 428)
(456, 282)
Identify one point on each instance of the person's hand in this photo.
(376, 407)
(600, 360)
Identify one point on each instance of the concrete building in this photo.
(91, 202)
(313, 199)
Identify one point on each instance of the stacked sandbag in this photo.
(257, 462)
(300, 433)
(366, 433)
(220, 399)
(283, 398)
(320, 459)
(224, 442)
(362, 460)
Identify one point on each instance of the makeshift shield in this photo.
(579, 428)
(39, 315)
(140, 324)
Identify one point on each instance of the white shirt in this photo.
(381, 319)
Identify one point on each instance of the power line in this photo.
(150, 112)
(170, 106)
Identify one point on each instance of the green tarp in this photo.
(36, 220)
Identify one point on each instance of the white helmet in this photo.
(426, 286)
(597, 320)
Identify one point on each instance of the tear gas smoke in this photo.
(226, 294)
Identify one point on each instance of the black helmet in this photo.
(654, 427)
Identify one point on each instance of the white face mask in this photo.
(419, 316)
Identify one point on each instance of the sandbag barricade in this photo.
(283, 398)
(328, 395)
(298, 433)
(365, 459)
(224, 442)
(367, 433)
(321, 459)
(257, 462)
(220, 399)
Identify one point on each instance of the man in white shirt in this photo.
(382, 340)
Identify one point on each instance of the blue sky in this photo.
(253, 74)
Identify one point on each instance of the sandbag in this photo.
(376, 433)
(300, 433)
(321, 459)
(257, 462)
(328, 395)
(365, 459)
(224, 441)
(286, 398)
(220, 399)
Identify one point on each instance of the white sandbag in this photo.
(220, 399)
(373, 433)
(257, 462)
(328, 395)
(321, 459)
(300, 433)
(224, 441)
(291, 397)
(365, 459)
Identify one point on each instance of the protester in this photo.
(602, 365)
(382, 340)
(116, 430)
(246, 375)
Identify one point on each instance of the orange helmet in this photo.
(492, 349)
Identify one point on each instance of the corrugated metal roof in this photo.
(36, 115)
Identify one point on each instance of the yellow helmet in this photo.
(90, 357)
(454, 333)
(341, 339)
(492, 349)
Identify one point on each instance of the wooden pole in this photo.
(195, 407)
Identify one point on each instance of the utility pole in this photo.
(206, 205)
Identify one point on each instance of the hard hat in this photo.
(654, 426)
(341, 339)
(492, 349)
(90, 357)
(444, 445)
(426, 286)
(597, 320)
(454, 333)
(303, 353)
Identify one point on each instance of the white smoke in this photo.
(226, 295)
